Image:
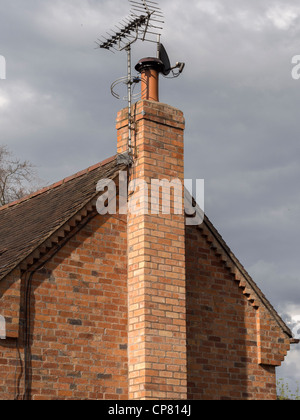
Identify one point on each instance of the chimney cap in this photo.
(150, 63)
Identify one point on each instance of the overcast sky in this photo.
(240, 102)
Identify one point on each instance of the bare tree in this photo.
(16, 177)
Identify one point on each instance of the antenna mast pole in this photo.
(129, 83)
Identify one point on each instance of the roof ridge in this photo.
(58, 184)
(22, 236)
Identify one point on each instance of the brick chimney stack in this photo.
(156, 258)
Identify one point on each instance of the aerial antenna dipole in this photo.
(144, 23)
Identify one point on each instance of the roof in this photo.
(27, 223)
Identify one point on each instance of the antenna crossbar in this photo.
(124, 32)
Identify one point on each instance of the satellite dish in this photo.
(167, 68)
(163, 56)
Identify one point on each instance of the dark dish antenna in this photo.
(145, 24)
(167, 68)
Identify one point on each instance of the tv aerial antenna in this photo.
(144, 23)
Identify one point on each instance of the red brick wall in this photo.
(79, 321)
(223, 337)
(79, 325)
